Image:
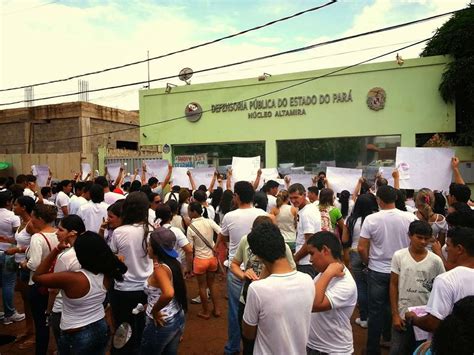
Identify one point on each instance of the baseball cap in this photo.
(166, 239)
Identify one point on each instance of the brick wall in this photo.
(11, 134)
(99, 126)
(46, 134)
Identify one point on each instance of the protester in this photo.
(42, 243)
(326, 206)
(412, 273)
(365, 205)
(453, 285)
(344, 203)
(271, 189)
(382, 234)
(205, 264)
(308, 223)
(235, 225)
(154, 200)
(313, 195)
(335, 298)
(114, 220)
(94, 212)
(109, 196)
(62, 199)
(83, 326)
(80, 192)
(285, 217)
(130, 242)
(22, 208)
(278, 308)
(166, 292)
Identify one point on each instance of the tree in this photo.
(456, 38)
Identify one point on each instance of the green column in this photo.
(271, 154)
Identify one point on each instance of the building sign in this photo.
(283, 106)
(191, 161)
(193, 112)
(376, 99)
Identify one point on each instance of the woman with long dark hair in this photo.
(83, 326)
(129, 241)
(166, 292)
(365, 205)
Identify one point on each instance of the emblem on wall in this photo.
(376, 99)
(193, 112)
(166, 148)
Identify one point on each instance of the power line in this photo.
(28, 8)
(181, 50)
(240, 101)
(291, 51)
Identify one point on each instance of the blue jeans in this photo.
(162, 340)
(91, 340)
(234, 286)
(359, 270)
(380, 318)
(8, 284)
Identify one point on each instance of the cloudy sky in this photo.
(44, 40)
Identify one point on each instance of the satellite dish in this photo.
(185, 74)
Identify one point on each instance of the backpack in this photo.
(326, 224)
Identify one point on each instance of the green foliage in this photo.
(456, 38)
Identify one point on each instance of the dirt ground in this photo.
(200, 336)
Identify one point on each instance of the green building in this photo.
(355, 117)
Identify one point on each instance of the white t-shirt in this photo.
(93, 215)
(308, 222)
(356, 233)
(280, 306)
(184, 210)
(448, 288)
(415, 279)
(66, 261)
(181, 241)
(30, 193)
(272, 202)
(127, 240)
(111, 197)
(151, 217)
(75, 204)
(331, 331)
(8, 222)
(62, 200)
(238, 223)
(387, 231)
(211, 212)
(39, 250)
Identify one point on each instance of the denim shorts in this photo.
(165, 339)
(90, 340)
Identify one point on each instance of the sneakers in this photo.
(362, 323)
(197, 300)
(15, 317)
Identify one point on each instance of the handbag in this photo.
(205, 241)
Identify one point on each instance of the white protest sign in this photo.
(304, 179)
(203, 176)
(157, 168)
(86, 170)
(245, 169)
(113, 170)
(420, 311)
(386, 173)
(342, 178)
(424, 167)
(42, 174)
(180, 177)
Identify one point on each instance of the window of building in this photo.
(347, 152)
(127, 145)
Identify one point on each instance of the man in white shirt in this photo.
(109, 197)
(80, 188)
(313, 195)
(278, 308)
(450, 287)
(271, 188)
(382, 234)
(235, 225)
(335, 298)
(308, 223)
(94, 212)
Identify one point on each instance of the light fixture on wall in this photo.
(264, 77)
(399, 59)
(169, 86)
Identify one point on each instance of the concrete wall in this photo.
(110, 140)
(413, 105)
(57, 136)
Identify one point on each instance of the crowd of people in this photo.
(299, 262)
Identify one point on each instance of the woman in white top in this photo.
(83, 326)
(62, 198)
(166, 292)
(365, 205)
(41, 244)
(201, 236)
(424, 202)
(129, 241)
(285, 216)
(23, 207)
